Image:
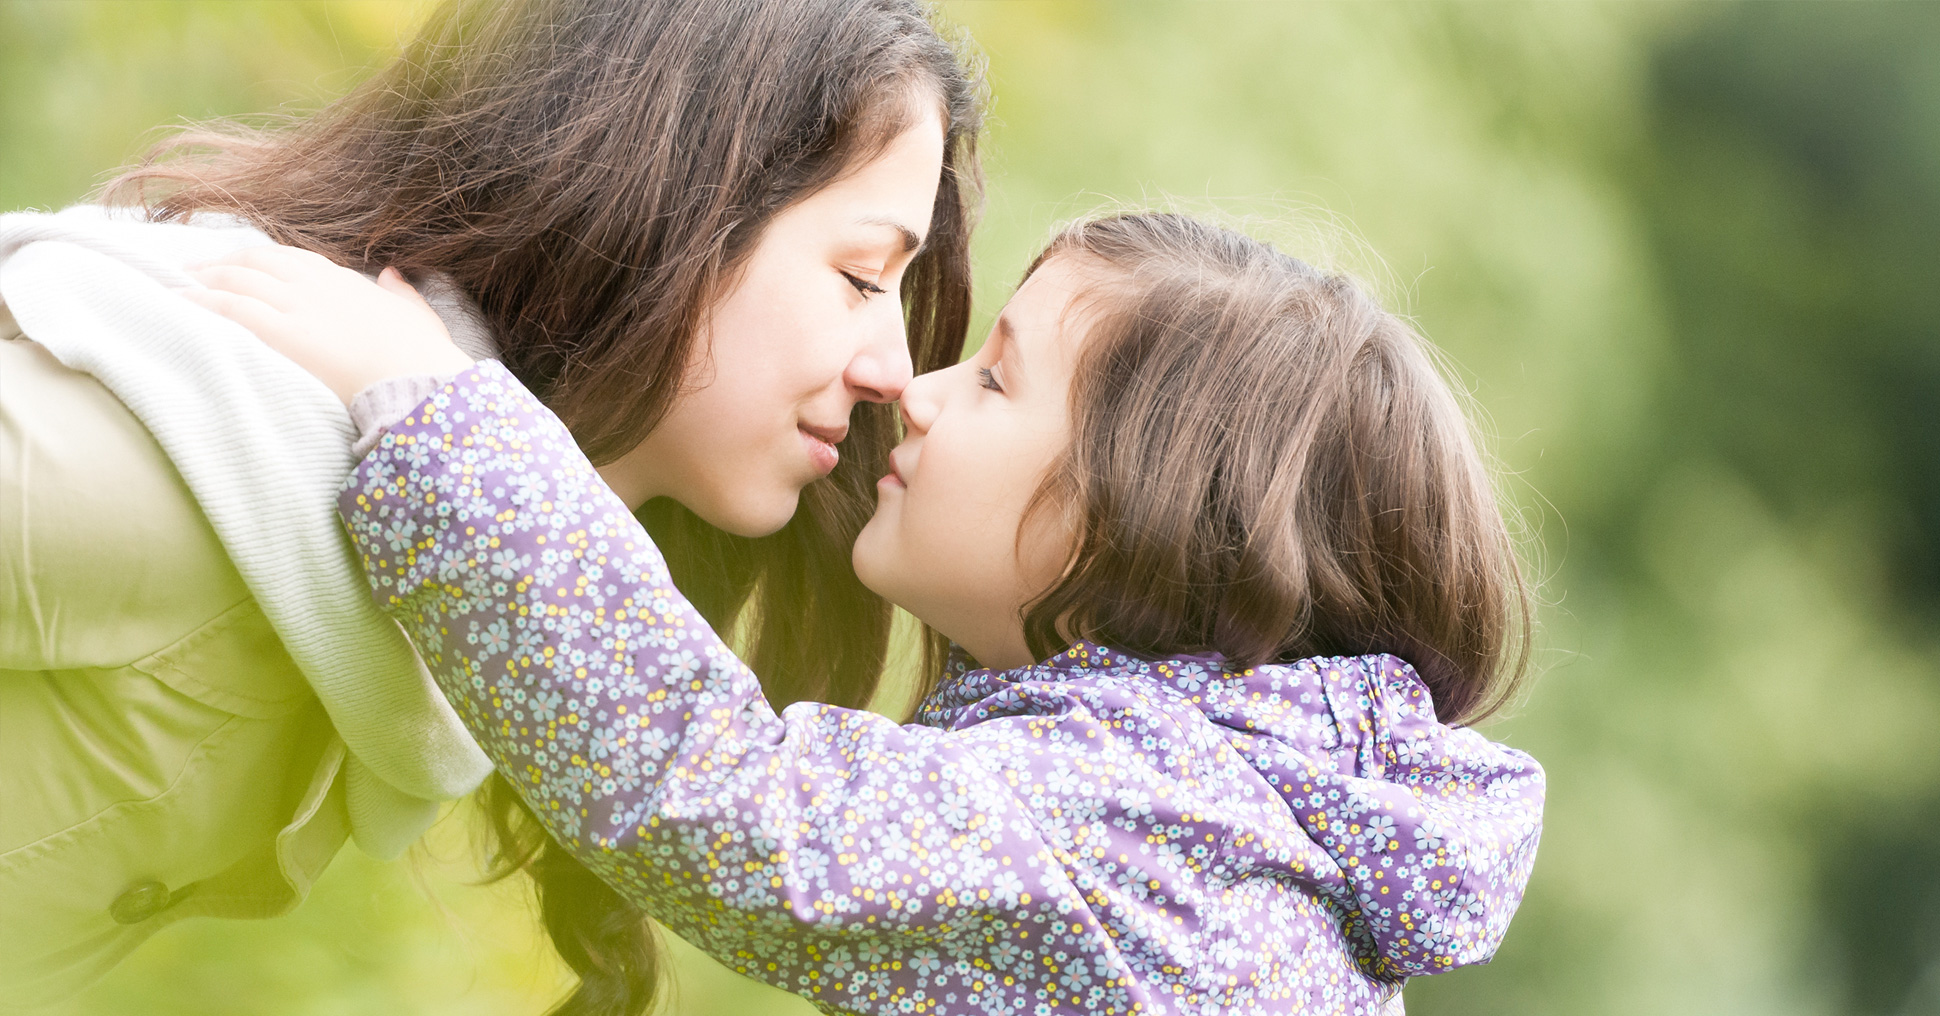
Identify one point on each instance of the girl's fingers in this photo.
(393, 280)
(289, 264)
(331, 321)
(271, 325)
(250, 282)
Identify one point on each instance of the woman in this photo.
(680, 221)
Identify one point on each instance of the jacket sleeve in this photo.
(829, 851)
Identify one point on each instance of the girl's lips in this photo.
(821, 451)
(893, 478)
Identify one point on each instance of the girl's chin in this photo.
(872, 558)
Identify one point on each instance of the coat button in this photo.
(140, 902)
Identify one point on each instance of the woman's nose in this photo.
(881, 369)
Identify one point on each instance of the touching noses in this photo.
(881, 369)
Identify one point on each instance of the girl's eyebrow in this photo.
(1008, 350)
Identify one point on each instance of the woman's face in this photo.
(812, 325)
(945, 542)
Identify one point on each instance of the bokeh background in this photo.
(1685, 256)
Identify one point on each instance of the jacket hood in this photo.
(1423, 834)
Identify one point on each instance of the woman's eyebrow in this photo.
(912, 241)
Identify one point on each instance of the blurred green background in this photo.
(1685, 256)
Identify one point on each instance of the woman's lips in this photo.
(820, 443)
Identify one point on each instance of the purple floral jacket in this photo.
(1095, 833)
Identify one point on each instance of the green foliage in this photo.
(1683, 255)
(85, 84)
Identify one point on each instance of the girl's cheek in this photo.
(1043, 544)
(1047, 537)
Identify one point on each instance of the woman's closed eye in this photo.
(987, 378)
(862, 285)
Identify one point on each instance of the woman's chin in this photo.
(752, 516)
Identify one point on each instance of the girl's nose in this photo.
(881, 369)
(922, 399)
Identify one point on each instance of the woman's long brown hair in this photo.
(1267, 465)
(593, 173)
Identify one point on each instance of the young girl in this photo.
(198, 703)
(1223, 565)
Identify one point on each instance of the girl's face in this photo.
(948, 541)
(812, 325)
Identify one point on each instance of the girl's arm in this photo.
(826, 850)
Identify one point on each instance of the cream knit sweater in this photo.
(263, 446)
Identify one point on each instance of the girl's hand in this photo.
(334, 322)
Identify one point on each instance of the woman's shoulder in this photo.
(110, 557)
(129, 235)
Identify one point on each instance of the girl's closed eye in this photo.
(987, 378)
(862, 285)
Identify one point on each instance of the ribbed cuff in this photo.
(377, 408)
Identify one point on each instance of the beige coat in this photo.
(161, 756)
(198, 702)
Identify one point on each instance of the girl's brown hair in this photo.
(593, 173)
(1267, 465)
